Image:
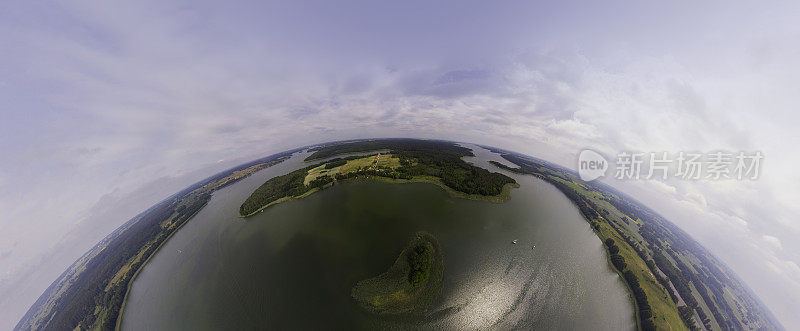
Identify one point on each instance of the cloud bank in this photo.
(110, 108)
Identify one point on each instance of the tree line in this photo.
(420, 259)
(439, 159)
(288, 185)
(645, 313)
(91, 291)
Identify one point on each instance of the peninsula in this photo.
(407, 160)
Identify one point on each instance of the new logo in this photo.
(591, 165)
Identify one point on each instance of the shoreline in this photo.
(504, 196)
(367, 290)
(284, 199)
(118, 325)
(625, 285)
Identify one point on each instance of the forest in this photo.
(438, 159)
(90, 294)
(441, 159)
(288, 185)
(420, 259)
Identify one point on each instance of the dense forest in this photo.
(433, 158)
(288, 185)
(91, 292)
(326, 151)
(89, 295)
(438, 159)
(420, 259)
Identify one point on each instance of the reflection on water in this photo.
(293, 265)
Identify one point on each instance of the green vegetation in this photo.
(274, 189)
(438, 159)
(304, 181)
(410, 285)
(644, 311)
(409, 160)
(91, 293)
(673, 280)
(334, 149)
(335, 163)
(420, 260)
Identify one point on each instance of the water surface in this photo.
(293, 265)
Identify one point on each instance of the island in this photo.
(407, 160)
(674, 282)
(410, 285)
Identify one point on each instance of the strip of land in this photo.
(675, 283)
(92, 292)
(407, 161)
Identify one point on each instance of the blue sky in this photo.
(108, 108)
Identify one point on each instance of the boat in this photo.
(514, 241)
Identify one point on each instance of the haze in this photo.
(107, 108)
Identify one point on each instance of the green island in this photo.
(91, 293)
(408, 160)
(410, 285)
(674, 282)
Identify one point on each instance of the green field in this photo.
(92, 292)
(410, 160)
(379, 161)
(707, 294)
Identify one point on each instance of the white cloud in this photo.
(100, 101)
(774, 242)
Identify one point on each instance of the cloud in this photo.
(772, 241)
(96, 103)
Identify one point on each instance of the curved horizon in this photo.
(109, 109)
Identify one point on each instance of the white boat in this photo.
(514, 241)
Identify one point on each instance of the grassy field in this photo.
(709, 293)
(664, 310)
(412, 161)
(380, 161)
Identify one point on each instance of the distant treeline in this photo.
(288, 185)
(434, 158)
(361, 146)
(593, 215)
(665, 248)
(645, 313)
(443, 160)
(438, 159)
(89, 295)
(335, 163)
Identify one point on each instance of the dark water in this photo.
(292, 266)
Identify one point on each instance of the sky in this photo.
(109, 107)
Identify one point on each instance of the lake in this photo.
(293, 265)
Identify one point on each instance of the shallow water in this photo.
(293, 265)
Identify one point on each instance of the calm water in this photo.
(293, 265)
